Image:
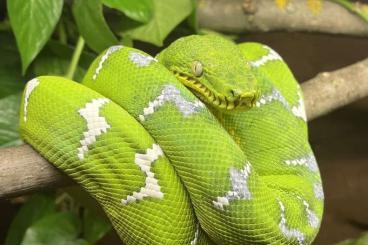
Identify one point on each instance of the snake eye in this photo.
(197, 68)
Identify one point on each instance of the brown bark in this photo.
(23, 170)
(331, 90)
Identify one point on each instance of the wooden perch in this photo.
(237, 16)
(23, 170)
(331, 90)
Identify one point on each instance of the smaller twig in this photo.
(75, 59)
(62, 33)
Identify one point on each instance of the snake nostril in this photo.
(232, 93)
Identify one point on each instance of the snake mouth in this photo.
(241, 102)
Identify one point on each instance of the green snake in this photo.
(206, 143)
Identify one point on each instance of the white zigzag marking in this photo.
(141, 60)
(272, 55)
(318, 191)
(299, 109)
(239, 184)
(171, 94)
(96, 124)
(275, 95)
(313, 220)
(152, 188)
(312, 217)
(104, 58)
(31, 85)
(288, 232)
(308, 161)
(195, 240)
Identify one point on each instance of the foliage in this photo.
(31, 28)
(92, 26)
(362, 240)
(9, 107)
(39, 37)
(40, 223)
(358, 8)
(160, 26)
(43, 37)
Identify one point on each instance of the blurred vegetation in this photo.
(45, 219)
(362, 240)
(62, 38)
(48, 38)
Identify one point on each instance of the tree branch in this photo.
(331, 90)
(23, 170)
(239, 16)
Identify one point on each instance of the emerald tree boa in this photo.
(206, 143)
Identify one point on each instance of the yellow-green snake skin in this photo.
(205, 144)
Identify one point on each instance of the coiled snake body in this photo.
(205, 144)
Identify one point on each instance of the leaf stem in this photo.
(62, 33)
(75, 59)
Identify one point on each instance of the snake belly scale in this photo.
(206, 143)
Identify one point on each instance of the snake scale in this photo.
(206, 143)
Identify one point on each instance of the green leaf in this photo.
(167, 14)
(94, 220)
(11, 80)
(120, 24)
(363, 239)
(347, 242)
(37, 207)
(94, 227)
(55, 66)
(55, 229)
(33, 22)
(92, 25)
(140, 10)
(65, 52)
(55, 58)
(11, 83)
(9, 110)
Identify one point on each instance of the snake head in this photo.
(214, 69)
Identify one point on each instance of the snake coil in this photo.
(205, 144)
